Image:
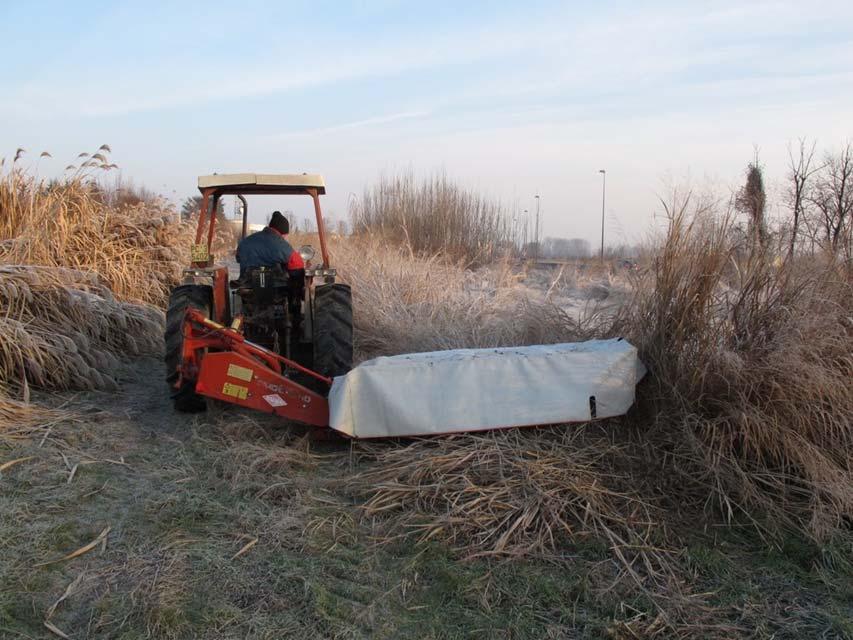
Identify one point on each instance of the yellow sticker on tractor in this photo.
(235, 391)
(199, 253)
(241, 373)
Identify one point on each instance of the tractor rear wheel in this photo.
(332, 329)
(182, 298)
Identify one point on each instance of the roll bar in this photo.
(210, 200)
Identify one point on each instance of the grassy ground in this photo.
(232, 526)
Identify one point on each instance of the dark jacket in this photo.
(266, 248)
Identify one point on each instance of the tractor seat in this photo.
(262, 285)
(261, 277)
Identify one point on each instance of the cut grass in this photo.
(192, 495)
(62, 329)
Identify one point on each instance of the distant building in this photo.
(238, 225)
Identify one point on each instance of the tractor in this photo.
(271, 339)
(280, 341)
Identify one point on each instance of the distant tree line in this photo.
(577, 249)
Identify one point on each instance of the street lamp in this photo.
(603, 183)
(537, 225)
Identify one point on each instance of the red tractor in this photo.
(271, 340)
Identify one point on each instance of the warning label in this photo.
(235, 391)
(275, 400)
(241, 373)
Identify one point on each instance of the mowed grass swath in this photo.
(62, 329)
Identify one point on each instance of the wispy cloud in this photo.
(631, 47)
(356, 124)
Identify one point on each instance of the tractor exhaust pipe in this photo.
(242, 199)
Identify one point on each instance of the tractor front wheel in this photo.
(182, 298)
(332, 329)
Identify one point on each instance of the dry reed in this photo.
(135, 246)
(753, 362)
(63, 329)
(406, 303)
(65, 247)
(435, 216)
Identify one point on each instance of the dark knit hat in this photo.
(279, 222)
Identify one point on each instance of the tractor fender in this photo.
(215, 279)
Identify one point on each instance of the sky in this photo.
(508, 98)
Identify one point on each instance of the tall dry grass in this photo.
(66, 246)
(436, 216)
(406, 303)
(751, 364)
(135, 246)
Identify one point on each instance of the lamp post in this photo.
(537, 225)
(603, 183)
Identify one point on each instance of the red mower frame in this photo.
(228, 367)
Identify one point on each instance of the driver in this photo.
(269, 248)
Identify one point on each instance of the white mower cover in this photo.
(423, 394)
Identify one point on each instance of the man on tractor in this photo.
(283, 321)
(269, 248)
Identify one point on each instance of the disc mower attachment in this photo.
(418, 394)
(463, 390)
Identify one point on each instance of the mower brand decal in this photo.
(235, 391)
(275, 388)
(275, 400)
(241, 373)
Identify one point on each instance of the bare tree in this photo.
(192, 205)
(832, 197)
(751, 200)
(800, 170)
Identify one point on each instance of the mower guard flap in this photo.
(477, 389)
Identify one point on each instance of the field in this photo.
(719, 507)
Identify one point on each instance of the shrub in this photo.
(436, 216)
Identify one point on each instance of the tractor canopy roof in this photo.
(269, 183)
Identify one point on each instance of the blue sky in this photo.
(508, 98)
